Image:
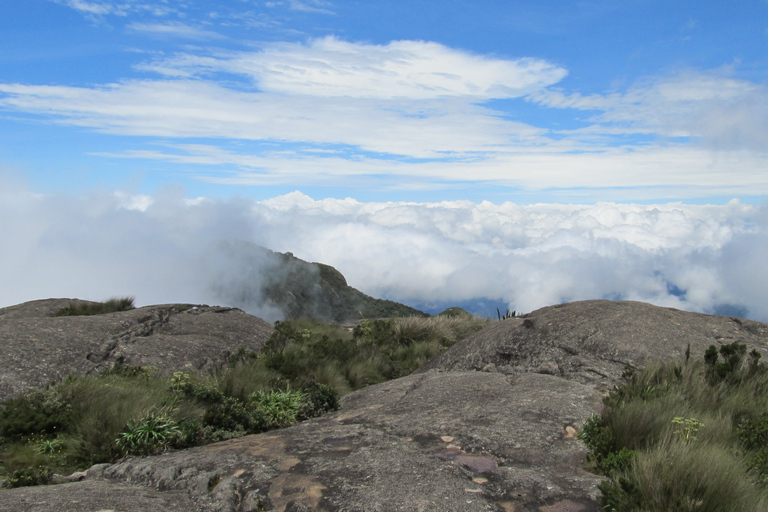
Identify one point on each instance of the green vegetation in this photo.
(689, 436)
(128, 410)
(112, 305)
(85, 420)
(374, 351)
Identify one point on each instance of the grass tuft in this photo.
(689, 436)
(112, 305)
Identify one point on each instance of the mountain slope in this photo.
(281, 286)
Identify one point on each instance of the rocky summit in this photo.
(488, 425)
(39, 347)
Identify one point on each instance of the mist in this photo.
(167, 248)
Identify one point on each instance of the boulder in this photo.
(593, 341)
(39, 347)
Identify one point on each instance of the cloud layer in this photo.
(168, 249)
(416, 114)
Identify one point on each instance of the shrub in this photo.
(29, 476)
(112, 305)
(319, 399)
(153, 433)
(685, 437)
(34, 412)
(279, 408)
(679, 476)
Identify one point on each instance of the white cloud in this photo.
(412, 115)
(167, 249)
(413, 70)
(723, 112)
(639, 174)
(186, 108)
(319, 6)
(89, 7)
(401, 69)
(100, 8)
(174, 29)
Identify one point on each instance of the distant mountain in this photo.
(279, 285)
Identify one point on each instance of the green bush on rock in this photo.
(690, 436)
(112, 305)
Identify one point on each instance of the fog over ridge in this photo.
(166, 248)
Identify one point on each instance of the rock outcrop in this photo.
(448, 438)
(39, 347)
(591, 342)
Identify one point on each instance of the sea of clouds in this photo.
(166, 248)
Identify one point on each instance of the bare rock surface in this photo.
(459, 441)
(447, 438)
(593, 341)
(94, 496)
(39, 348)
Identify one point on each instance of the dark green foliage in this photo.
(604, 456)
(30, 476)
(620, 494)
(617, 462)
(598, 437)
(112, 305)
(220, 412)
(710, 356)
(35, 412)
(230, 414)
(132, 411)
(733, 356)
(320, 398)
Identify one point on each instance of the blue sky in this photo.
(523, 153)
(531, 101)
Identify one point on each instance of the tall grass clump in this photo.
(685, 436)
(111, 305)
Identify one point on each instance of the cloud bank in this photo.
(169, 249)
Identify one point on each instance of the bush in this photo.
(279, 408)
(680, 477)
(154, 433)
(29, 476)
(34, 412)
(685, 437)
(112, 305)
(319, 399)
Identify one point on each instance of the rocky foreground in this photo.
(489, 425)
